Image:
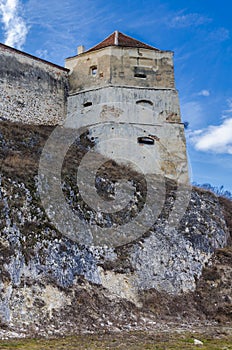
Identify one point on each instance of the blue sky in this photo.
(198, 31)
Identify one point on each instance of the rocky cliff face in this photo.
(52, 283)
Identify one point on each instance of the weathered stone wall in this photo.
(121, 66)
(31, 90)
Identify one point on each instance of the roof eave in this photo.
(118, 46)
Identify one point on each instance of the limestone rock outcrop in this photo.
(49, 281)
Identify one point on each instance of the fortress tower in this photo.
(122, 90)
(126, 89)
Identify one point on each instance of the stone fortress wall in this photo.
(32, 91)
(118, 92)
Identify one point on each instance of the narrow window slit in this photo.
(87, 104)
(140, 75)
(146, 140)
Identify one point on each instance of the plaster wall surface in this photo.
(32, 91)
(120, 116)
(164, 103)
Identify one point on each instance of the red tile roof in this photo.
(120, 39)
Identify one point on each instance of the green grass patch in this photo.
(123, 341)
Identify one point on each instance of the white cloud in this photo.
(216, 139)
(226, 113)
(189, 20)
(204, 93)
(15, 27)
(229, 102)
(42, 54)
(220, 35)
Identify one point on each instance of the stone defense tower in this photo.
(129, 88)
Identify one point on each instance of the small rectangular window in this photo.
(140, 75)
(140, 72)
(93, 71)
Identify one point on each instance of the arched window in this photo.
(146, 140)
(145, 103)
